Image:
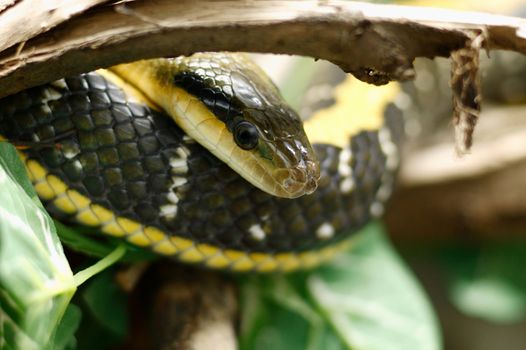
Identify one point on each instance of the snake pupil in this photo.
(246, 135)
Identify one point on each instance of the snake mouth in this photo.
(298, 181)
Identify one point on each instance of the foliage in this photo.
(341, 305)
(364, 299)
(36, 282)
(488, 281)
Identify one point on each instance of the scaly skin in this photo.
(119, 165)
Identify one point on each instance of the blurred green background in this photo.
(460, 222)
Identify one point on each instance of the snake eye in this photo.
(246, 135)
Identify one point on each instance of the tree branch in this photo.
(376, 43)
(16, 29)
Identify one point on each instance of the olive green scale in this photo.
(134, 161)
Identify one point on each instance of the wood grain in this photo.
(377, 43)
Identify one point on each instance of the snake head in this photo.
(226, 103)
(274, 150)
(242, 119)
(279, 150)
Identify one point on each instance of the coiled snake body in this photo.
(105, 155)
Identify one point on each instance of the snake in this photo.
(199, 158)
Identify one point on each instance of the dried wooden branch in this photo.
(17, 28)
(376, 43)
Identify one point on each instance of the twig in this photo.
(465, 83)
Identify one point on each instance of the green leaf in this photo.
(36, 282)
(15, 169)
(488, 281)
(65, 336)
(372, 300)
(365, 299)
(275, 316)
(107, 303)
(490, 299)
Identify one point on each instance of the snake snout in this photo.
(312, 175)
(300, 180)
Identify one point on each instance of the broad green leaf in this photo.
(371, 299)
(488, 282)
(491, 299)
(36, 282)
(107, 303)
(276, 316)
(365, 299)
(65, 336)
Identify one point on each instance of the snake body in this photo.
(100, 157)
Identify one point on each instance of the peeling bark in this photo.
(376, 43)
(465, 83)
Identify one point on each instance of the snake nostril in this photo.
(311, 186)
(313, 176)
(299, 175)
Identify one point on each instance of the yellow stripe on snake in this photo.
(199, 158)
